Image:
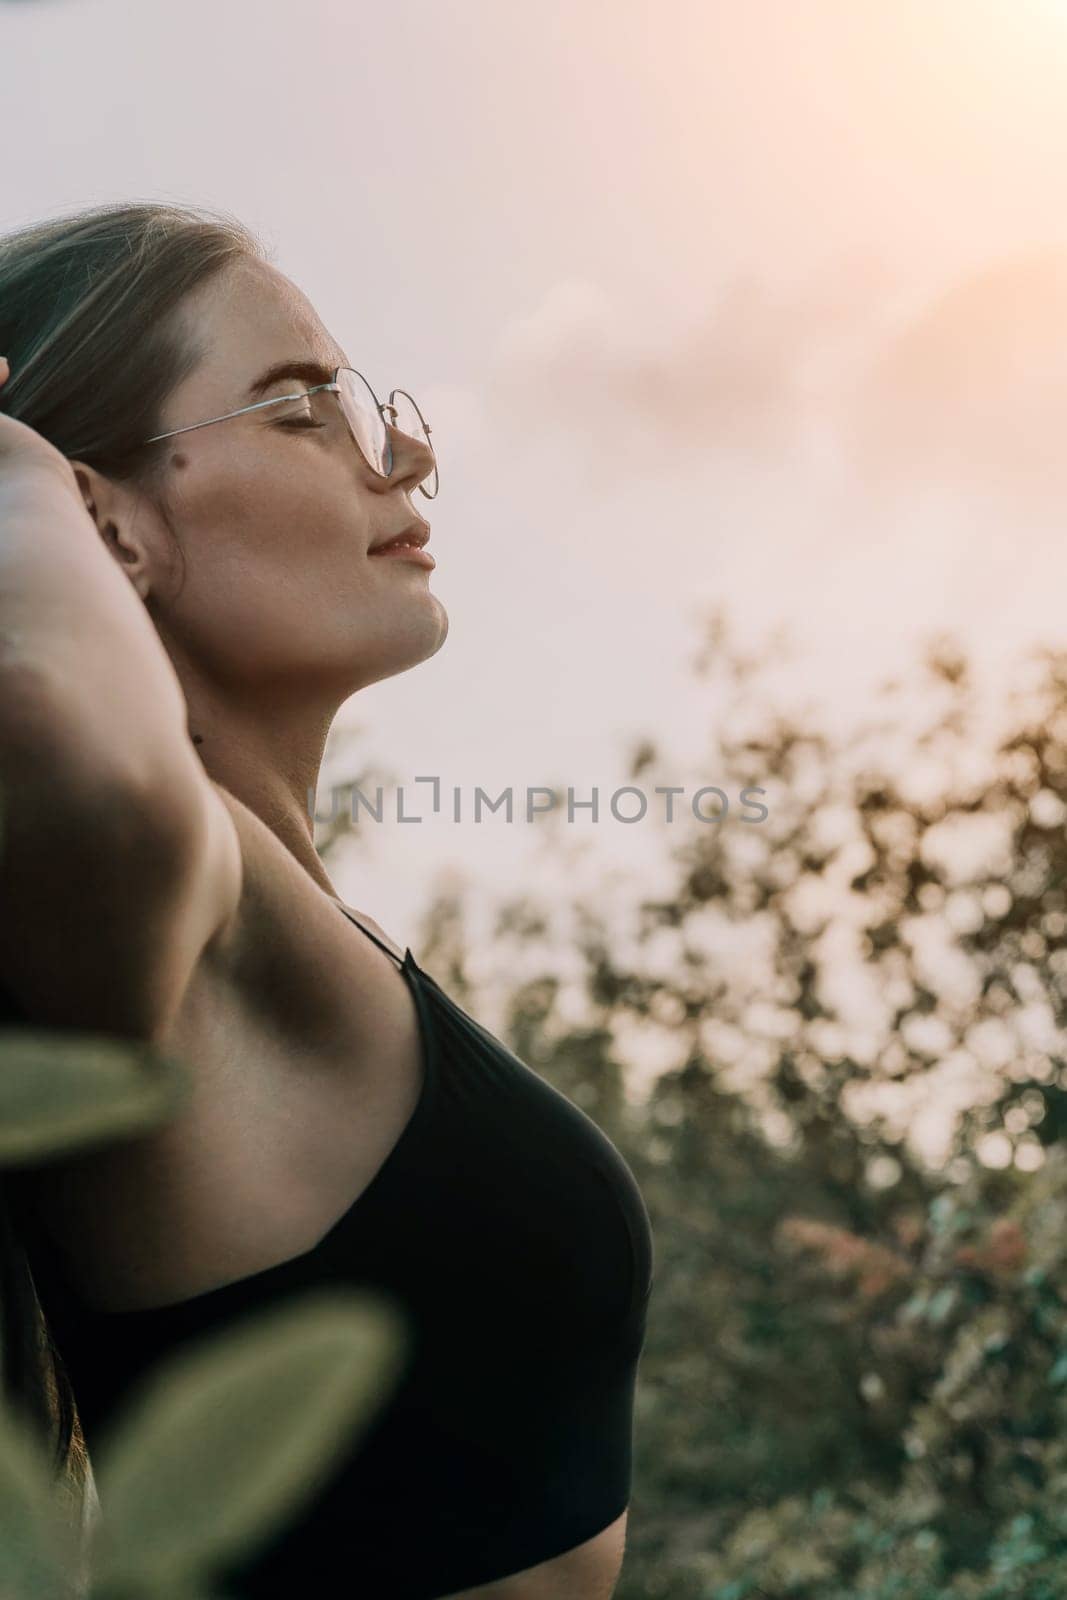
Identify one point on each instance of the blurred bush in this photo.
(855, 1380)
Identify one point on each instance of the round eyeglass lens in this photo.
(366, 421)
(409, 420)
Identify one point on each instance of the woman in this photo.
(208, 545)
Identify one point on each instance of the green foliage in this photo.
(222, 1445)
(38, 1548)
(229, 1439)
(59, 1092)
(855, 1379)
(219, 1445)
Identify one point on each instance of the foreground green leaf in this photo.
(60, 1091)
(224, 1443)
(37, 1549)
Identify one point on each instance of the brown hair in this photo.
(89, 322)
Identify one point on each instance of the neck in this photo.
(269, 759)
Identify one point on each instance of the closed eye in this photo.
(300, 422)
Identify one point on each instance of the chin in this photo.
(423, 629)
(412, 640)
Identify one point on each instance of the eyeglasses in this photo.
(366, 418)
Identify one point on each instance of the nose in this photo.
(413, 459)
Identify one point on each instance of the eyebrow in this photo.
(310, 371)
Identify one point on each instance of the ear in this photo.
(112, 506)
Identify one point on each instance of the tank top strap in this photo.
(371, 936)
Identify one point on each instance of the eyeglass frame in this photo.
(333, 387)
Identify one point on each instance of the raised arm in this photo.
(119, 863)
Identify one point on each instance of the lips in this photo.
(416, 533)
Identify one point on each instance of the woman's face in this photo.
(277, 591)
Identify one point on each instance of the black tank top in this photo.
(515, 1239)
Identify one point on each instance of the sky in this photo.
(758, 307)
